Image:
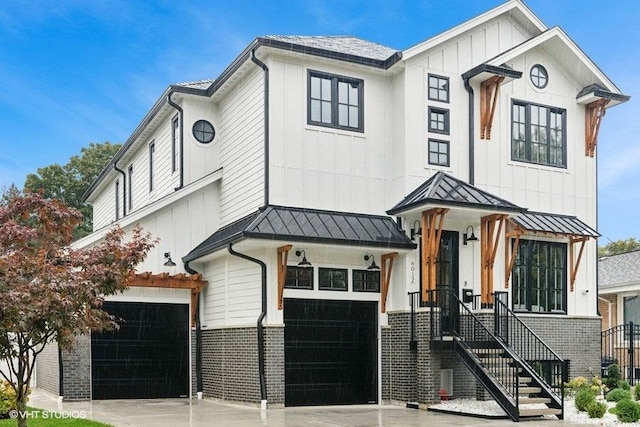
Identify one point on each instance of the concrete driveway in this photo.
(196, 413)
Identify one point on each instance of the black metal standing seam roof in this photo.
(552, 223)
(308, 225)
(443, 189)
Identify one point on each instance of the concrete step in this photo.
(524, 400)
(538, 412)
(530, 390)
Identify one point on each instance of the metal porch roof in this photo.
(307, 225)
(553, 223)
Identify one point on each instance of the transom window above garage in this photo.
(335, 101)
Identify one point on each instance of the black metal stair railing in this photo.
(549, 368)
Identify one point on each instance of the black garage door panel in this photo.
(330, 352)
(148, 357)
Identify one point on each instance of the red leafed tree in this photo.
(50, 291)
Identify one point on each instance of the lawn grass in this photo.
(37, 418)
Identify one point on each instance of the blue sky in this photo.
(79, 71)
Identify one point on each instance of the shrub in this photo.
(624, 385)
(584, 397)
(597, 409)
(613, 376)
(618, 394)
(636, 391)
(7, 399)
(627, 411)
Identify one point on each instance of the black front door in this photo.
(447, 279)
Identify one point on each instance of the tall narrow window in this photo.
(130, 195)
(538, 134)
(152, 164)
(335, 101)
(438, 88)
(117, 191)
(175, 143)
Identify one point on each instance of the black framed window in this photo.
(130, 195)
(152, 165)
(631, 309)
(439, 120)
(175, 143)
(539, 76)
(366, 281)
(299, 278)
(117, 191)
(539, 277)
(438, 88)
(438, 152)
(538, 134)
(335, 101)
(333, 279)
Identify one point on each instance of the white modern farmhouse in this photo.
(345, 223)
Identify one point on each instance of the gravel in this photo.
(491, 408)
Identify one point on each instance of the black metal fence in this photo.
(621, 345)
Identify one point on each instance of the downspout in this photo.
(181, 116)
(261, 369)
(469, 89)
(266, 124)
(199, 390)
(124, 189)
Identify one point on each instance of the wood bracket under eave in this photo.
(283, 255)
(575, 263)
(510, 252)
(385, 271)
(594, 112)
(489, 240)
(488, 100)
(432, 223)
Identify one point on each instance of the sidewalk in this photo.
(197, 413)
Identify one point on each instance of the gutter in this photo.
(266, 124)
(199, 390)
(124, 189)
(181, 123)
(261, 368)
(469, 89)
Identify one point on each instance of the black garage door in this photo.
(148, 357)
(330, 352)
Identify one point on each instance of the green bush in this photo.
(636, 391)
(7, 399)
(584, 397)
(618, 394)
(624, 385)
(597, 409)
(627, 411)
(613, 376)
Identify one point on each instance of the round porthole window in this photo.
(539, 76)
(203, 131)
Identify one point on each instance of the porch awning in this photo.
(539, 222)
(308, 225)
(444, 190)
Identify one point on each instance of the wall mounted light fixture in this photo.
(416, 231)
(303, 262)
(373, 266)
(168, 261)
(468, 238)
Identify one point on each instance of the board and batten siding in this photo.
(241, 133)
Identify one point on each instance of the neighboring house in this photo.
(619, 289)
(324, 196)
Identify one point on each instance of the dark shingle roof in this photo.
(553, 223)
(308, 225)
(619, 269)
(443, 189)
(343, 44)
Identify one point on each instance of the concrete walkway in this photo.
(196, 413)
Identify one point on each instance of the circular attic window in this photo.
(203, 131)
(539, 76)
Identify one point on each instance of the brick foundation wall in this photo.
(77, 369)
(48, 369)
(230, 364)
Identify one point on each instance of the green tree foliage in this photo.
(69, 182)
(619, 247)
(50, 291)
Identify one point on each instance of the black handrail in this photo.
(548, 366)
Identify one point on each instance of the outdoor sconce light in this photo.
(416, 231)
(168, 261)
(304, 262)
(466, 238)
(373, 266)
